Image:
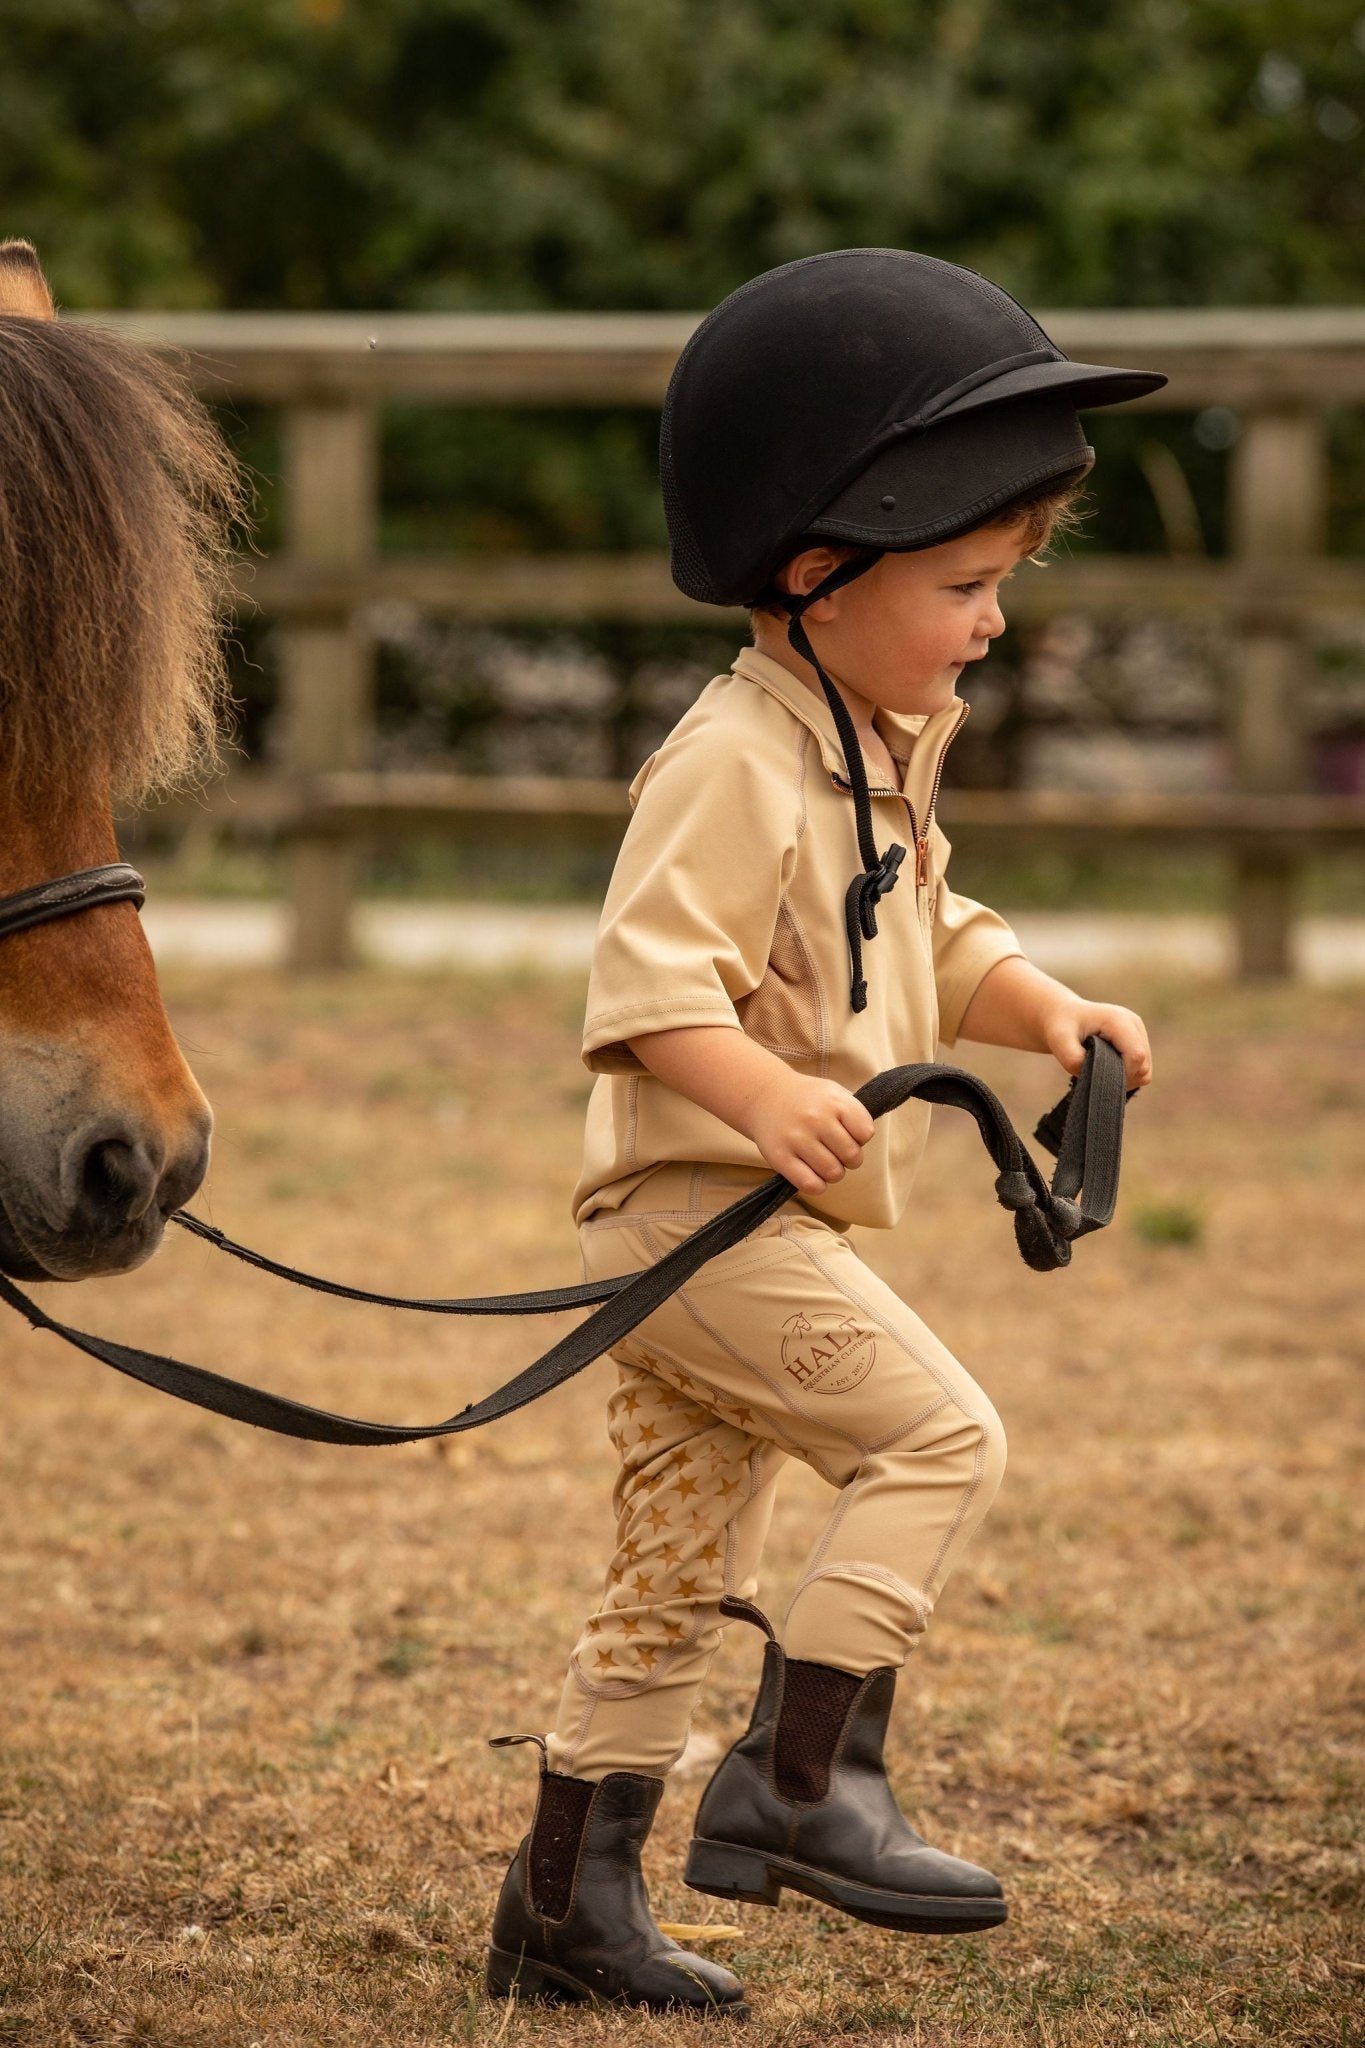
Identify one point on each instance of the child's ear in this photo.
(806, 570)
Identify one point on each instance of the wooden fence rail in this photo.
(1282, 370)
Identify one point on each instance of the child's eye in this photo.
(967, 588)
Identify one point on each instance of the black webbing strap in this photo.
(1085, 1130)
(880, 871)
(550, 1299)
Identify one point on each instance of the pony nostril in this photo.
(118, 1180)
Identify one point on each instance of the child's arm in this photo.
(1017, 1005)
(811, 1131)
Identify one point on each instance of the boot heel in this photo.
(519, 1977)
(729, 1873)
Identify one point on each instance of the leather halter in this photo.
(85, 890)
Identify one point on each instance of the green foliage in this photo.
(405, 1655)
(597, 153)
(1169, 1223)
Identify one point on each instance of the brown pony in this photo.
(116, 496)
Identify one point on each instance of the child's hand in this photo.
(812, 1132)
(1070, 1023)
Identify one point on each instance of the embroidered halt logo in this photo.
(828, 1360)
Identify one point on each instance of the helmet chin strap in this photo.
(880, 871)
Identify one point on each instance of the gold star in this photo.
(648, 1656)
(688, 1588)
(657, 1519)
(644, 1583)
(630, 1627)
(648, 1433)
(729, 1486)
(604, 1660)
(671, 1553)
(744, 1415)
(631, 1551)
(674, 1631)
(711, 1553)
(700, 1522)
(630, 1403)
(686, 1487)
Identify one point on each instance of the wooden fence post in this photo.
(1278, 516)
(330, 499)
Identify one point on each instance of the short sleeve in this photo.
(688, 922)
(969, 940)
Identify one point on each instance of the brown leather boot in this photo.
(802, 1801)
(573, 1924)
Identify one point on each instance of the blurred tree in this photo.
(613, 154)
(600, 153)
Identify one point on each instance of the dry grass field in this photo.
(245, 1683)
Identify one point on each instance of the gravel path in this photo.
(1067, 943)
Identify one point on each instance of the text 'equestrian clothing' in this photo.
(726, 908)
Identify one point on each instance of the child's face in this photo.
(901, 635)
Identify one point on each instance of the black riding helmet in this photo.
(883, 399)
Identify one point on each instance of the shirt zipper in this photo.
(922, 844)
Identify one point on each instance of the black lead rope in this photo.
(547, 1302)
(1084, 1131)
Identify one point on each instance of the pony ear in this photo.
(23, 288)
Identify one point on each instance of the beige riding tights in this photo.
(785, 1346)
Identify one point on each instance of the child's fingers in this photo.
(857, 1120)
(822, 1160)
(805, 1176)
(1065, 1041)
(810, 1164)
(1127, 1034)
(843, 1145)
(1137, 1065)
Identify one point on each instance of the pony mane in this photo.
(117, 499)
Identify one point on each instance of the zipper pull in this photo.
(921, 861)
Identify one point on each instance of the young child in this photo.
(859, 446)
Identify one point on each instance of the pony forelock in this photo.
(117, 499)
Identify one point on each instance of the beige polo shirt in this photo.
(726, 907)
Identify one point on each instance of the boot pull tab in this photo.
(735, 1609)
(510, 1742)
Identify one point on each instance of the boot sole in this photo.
(542, 1984)
(726, 1872)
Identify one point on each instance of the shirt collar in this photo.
(908, 739)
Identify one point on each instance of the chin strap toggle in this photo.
(865, 892)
